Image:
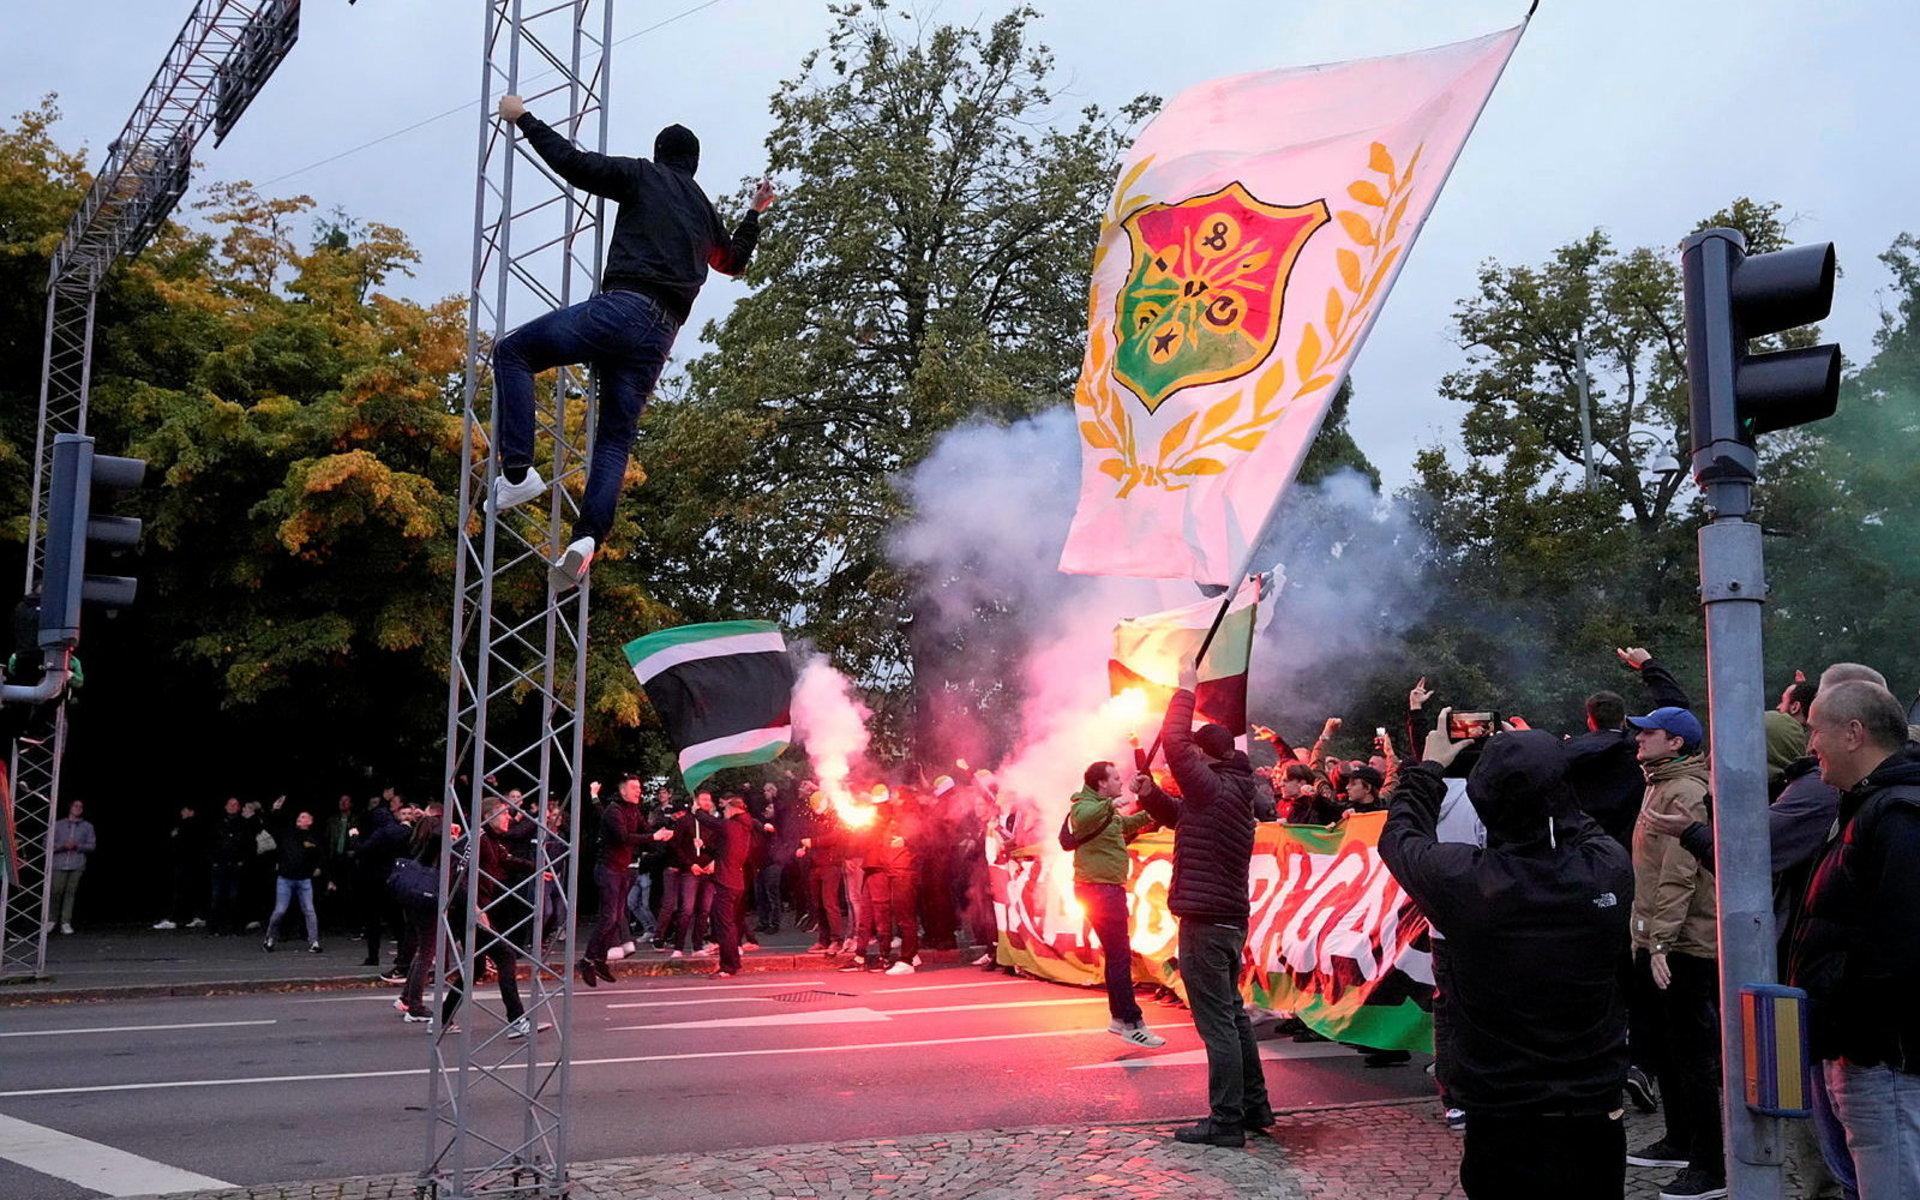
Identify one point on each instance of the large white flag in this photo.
(1256, 230)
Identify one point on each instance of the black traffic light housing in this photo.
(83, 482)
(1735, 396)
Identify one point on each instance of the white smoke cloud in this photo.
(992, 505)
(830, 723)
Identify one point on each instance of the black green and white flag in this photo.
(724, 691)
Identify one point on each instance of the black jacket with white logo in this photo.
(1534, 925)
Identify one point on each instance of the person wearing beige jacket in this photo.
(1675, 973)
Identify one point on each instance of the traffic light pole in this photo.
(1733, 590)
(1733, 396)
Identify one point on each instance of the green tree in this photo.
(928, 262)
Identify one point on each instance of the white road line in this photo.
(628, 1060)
(92, 1165)
(836, 1016)
(695, 1000)
(582, 994)
(1269, 1051)
(945, 987)
(131, 1028)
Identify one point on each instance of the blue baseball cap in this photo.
(1676, 721)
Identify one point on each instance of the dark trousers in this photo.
(672, 882)
(729, 906)
(890, 898)
(224, 911)
(1106, 905)
(611, 883)
(492, 948)
(379, 914)
(1679, 1029)
(1525, 1157)
(419, 933)
(823, 897)
(936, 897)
(189, 892)
(1210, 967)
(978, 890)
(766, 896)
(626, 338)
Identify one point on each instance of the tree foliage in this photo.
(928, 262)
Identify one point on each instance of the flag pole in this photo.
(1266, 523)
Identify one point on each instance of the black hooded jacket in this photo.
(1212, 822)
(1534, 924)
(1606, 778)
(666, 233)
(1856, 946)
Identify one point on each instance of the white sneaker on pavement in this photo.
(616, 953)
(985, 960)
(165, 925)
(916, 960)
(570, 569)
(196, 923)
(630, 948)
(65, 928)
(522, 1027)
(903, 967)
(1139, 1035)
(513, 495)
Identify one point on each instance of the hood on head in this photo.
(1520, 780)
(676, 147)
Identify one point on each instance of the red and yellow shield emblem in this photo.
(1203, 301)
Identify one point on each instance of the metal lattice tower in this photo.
(517, 679)
(223, 54)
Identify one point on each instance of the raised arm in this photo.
(731, 252)
(597, 173)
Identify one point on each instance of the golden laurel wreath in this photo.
(1183, 454)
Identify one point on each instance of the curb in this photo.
(754, 963)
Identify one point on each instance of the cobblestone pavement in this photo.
(1365, 1152)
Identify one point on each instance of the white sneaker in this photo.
(630, 947)
(903, 967)
(65, 928)
(570, 569)
(513, 495)
(985, 960)
(615, 953)
(1139, 1035)
(165, 925)
(677, 954)
(522, 1027)
(749, 945)
(916, 960)
(196, 923)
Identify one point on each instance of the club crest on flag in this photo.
(1203, 300)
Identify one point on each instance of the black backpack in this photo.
(1069, 842)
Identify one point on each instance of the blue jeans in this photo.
(1106, 905)
(284, 890)
(1880, 1109)
(640, 902)
(1832, 1138)
(626, 338)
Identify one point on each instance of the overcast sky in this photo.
(1637, 115)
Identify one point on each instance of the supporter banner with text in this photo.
(1332, 939)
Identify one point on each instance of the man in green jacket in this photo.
(1100, 869)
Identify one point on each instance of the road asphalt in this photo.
(192, 1092)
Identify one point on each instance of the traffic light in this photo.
(83, 482)
(1735, 396)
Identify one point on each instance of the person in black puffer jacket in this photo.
(1537, 1041)
(299, 855)
(1212, 847)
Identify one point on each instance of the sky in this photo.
(1638, 116)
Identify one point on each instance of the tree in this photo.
(928, 262)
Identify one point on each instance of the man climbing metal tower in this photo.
(665, 236)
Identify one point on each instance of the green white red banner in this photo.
(1332, 938)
